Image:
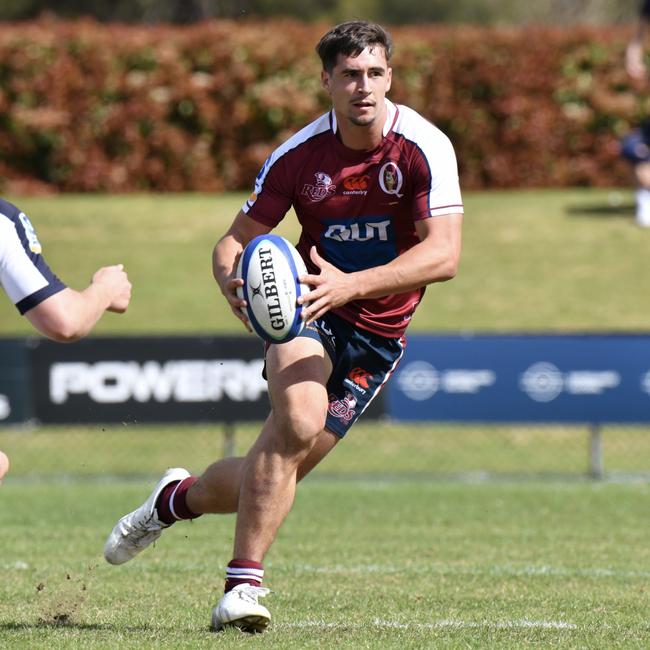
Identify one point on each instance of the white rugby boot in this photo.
(135, 531)
(239, 608)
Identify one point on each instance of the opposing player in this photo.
(55, 310)
(375, 188)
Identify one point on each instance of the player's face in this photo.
(357, 86)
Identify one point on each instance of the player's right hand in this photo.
(116, 282)
(237, 304)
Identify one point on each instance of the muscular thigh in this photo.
(297, 373)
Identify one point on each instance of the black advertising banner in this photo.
(14, 382)
(153, 379)
(582, 378)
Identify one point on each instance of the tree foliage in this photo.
(86, 106)
(482, 12)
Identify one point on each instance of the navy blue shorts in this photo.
(635, 146)
(362, 363)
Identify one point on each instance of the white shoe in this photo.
(643, 207)
(239, 608)
(643, 219)
(135, 531)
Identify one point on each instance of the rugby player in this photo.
(375, 188)
(55, 310)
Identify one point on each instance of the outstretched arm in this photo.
(69, 315)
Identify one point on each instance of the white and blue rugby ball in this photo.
(270, 266)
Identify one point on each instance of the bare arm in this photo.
(634, 53)
(226, 256)
(434, 259)
(69, 315)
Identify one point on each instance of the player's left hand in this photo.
(330, 288)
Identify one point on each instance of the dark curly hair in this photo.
(350, 39)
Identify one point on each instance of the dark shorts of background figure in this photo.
(635, 146)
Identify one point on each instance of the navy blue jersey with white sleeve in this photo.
(645, 9)
(24, 274)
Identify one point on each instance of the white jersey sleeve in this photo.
(24, 274)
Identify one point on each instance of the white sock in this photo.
(643, 207)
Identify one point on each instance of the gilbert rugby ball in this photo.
(270, 266)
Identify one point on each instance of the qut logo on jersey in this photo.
(360, 243)
(359, 231)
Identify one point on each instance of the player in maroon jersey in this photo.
(375, 188)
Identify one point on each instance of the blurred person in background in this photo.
(635, 146)
(56, 311)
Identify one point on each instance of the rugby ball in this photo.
(270, 266)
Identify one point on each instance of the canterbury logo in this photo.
(356, 182)
(360, 377)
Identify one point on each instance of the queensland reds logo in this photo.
(321, 190)
(391, 179)
(343, 409)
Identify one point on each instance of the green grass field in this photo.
(368, 563)
(406, 537)
(552, 260)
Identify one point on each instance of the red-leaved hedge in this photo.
(92, 107)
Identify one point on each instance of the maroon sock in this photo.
(244, 571)
(172, 502)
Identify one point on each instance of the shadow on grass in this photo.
(600, 210)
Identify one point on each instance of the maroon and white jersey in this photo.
(360, 207)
